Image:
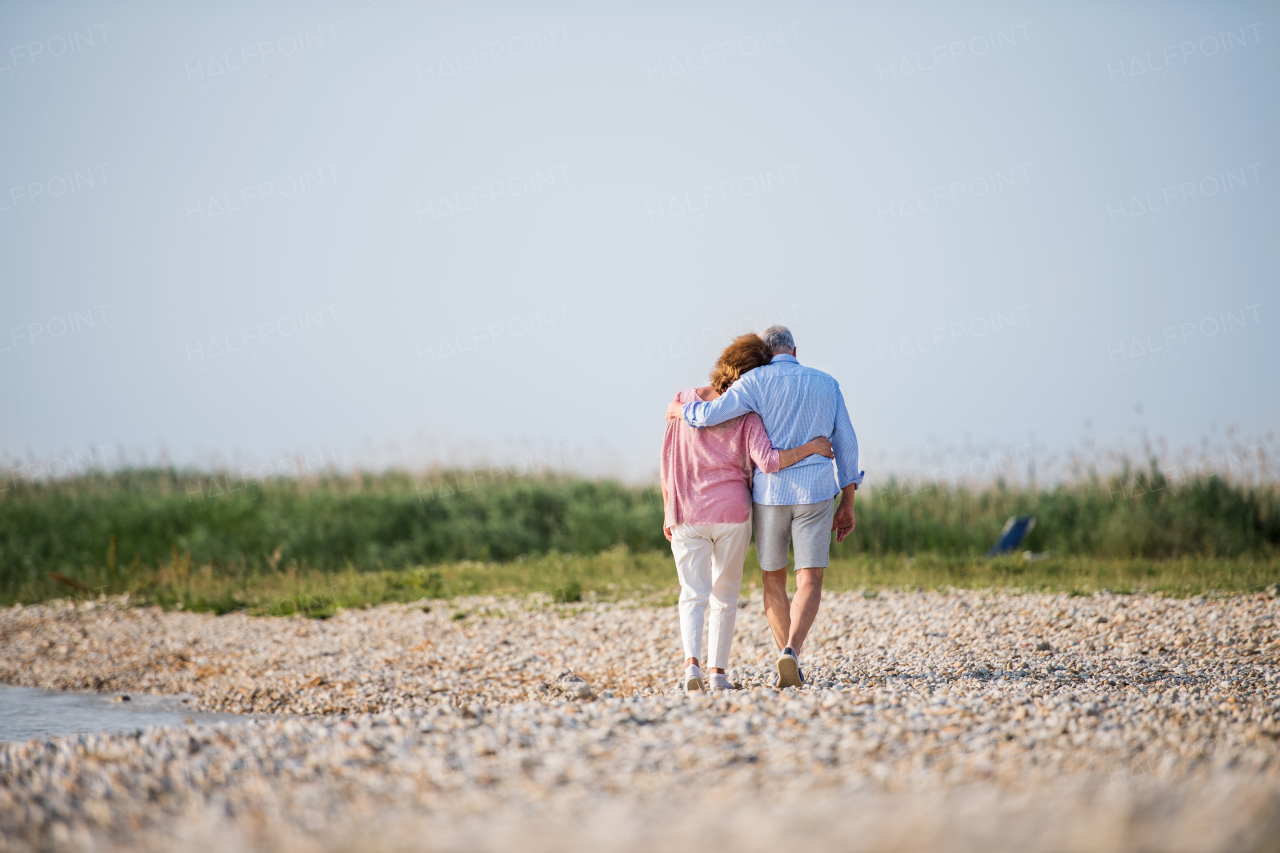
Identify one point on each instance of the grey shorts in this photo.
(808, 526)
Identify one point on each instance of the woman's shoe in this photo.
(720, 681)
(693, 680)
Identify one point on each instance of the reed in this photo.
(212, 542)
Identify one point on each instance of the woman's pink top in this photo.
(707, 472)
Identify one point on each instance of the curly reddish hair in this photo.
(746, 353)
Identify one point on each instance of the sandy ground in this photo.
(931, 721)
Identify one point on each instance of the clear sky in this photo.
(393, 233)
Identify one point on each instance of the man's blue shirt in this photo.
(797, 404)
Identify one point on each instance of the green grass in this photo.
(1081, 575)
(214, 543)
(611, 575)
(649, 578)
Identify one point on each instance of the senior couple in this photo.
(769, 441)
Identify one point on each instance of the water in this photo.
(26, 713)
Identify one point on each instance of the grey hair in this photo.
(778, 338)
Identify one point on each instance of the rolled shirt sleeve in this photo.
(845, 444)
(729, 405)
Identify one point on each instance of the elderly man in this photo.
(797, 504)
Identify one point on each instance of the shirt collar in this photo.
(784, 357)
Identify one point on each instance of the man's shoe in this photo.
(789, 674)
(720, 681)
(693, 680)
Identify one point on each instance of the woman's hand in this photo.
(820, 446)
(666, 531)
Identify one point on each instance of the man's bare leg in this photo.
(777, 609)
(804, 607)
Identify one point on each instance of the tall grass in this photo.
(142, 529)
(1131, 514)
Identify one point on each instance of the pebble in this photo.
(931, 721)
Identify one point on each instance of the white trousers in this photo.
(709, 560)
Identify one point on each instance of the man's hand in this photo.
(666, 531)
(844, 520)
(675, 409)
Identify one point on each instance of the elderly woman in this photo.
(706, 489)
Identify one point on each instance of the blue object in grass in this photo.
(1015, 530)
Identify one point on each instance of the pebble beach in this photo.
(931, 720)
